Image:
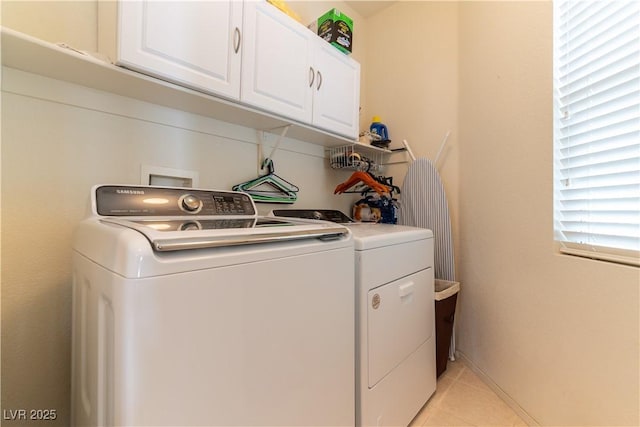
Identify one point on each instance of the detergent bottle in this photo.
(377, 128)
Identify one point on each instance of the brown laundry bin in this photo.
(445, 295)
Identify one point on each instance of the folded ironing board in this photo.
(424, 204)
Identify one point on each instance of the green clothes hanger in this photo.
(269, 188)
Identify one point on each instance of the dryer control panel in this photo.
(121, 200)
(323, 214)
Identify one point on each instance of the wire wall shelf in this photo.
(350, 157)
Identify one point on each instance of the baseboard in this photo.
(497, 390)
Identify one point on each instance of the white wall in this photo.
(60, 139)
(558, 334)
(71, 22)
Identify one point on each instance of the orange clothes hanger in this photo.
(365, 178)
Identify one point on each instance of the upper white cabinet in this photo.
(193, 43)
(276, 62)
(336, 98)
(289, 70)
(246, 51)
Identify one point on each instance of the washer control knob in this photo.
(191, 225)
(191, 203)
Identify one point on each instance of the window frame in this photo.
(561, 184)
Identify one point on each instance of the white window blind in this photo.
(597, 128)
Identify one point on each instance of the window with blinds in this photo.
(597, 129)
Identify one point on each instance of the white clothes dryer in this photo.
(395, 328)
(190, 310)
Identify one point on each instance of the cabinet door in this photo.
(336, 102)
(276, 66)
(192, 43)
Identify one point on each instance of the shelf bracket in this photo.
(262, 160)
(438, 155)
(442, 145)
(406, 146)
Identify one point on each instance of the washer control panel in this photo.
(124, 200)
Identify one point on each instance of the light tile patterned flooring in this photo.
(463, 399)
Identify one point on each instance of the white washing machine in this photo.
(395, 328)
(190, 310)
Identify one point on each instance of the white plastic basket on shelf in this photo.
(349, 157)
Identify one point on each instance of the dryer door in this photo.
(400, 318)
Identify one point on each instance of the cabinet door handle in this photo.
(312, 76)
(319, 80)
(237, 38)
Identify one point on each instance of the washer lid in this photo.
(371, 235)
(174, 218)
(172, 234)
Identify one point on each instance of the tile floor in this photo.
(463, 399)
